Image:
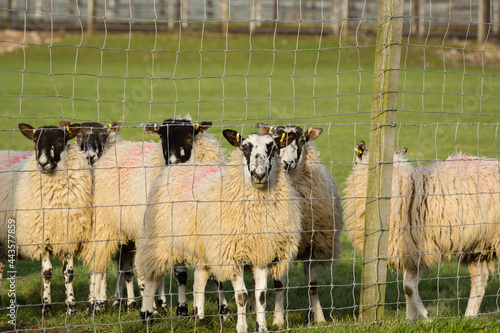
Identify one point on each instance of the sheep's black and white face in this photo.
(177, 138)
(362, 153)
(50, 143)
(259, 152)
(291, 155)
(92, 138)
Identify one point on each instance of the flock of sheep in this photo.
(154, 206)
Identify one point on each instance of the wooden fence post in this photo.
(483, 19)
(90, 16)
(383, 120)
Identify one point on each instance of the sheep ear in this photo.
(264, 128)
(151, 128)
(233, 137)
(27, 130)
(114, 127)
(360, 149)
(285, 139)
(401, 152)
(64, 123)
(202, 127)
(313, 132)
(71, 131)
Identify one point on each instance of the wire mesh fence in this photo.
(115, 204)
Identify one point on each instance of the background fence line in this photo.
(428, 18)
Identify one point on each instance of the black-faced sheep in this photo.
(49, 196)
(322, 217)
(93, 138)
(222, 218)
(123, 177)
(448, 208)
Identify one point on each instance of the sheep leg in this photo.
(221, 300)
(260, 277)
(120, 281)
(47, 277)
(161, 301)
(479, 281)
(201, 276)
(141, 281)
(97, 283)
(92, 293)
(241, 295)
(125, 275)
(279, 304)
(414, 306)
(150, 287)
(181, 276)
(310, 273)
(101, 304)
(68, 281)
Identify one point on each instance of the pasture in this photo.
(448, 102)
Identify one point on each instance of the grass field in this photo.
(446, 105)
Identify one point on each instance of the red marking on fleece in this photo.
(135, 159)
(200, 175)
(13, 158)
(461, 157)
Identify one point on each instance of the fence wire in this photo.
(116, 72)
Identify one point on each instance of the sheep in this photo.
(49, 196)
(222, 218)
(123, 177)
(322, 216)
(448, 208)
(93, 138)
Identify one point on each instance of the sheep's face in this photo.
(258, 154)
(177, 138)
(362, 153)
(291, 155)
(92, 137)
(50, 143)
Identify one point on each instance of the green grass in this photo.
(306, 81)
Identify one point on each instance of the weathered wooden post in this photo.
(383, 120)
(483, 19)
(90, 16)
(224, 9)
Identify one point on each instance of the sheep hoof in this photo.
(132, 306)
(224, 312)
(182, 310)
(93, 309)
(147, 317)
(160, 305)
(46, 310)
(71, 309)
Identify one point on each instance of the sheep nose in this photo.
(287, 165)
(258, 176)
(92, 157)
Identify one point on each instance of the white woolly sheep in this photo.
(448, 208)
(49, 197)
(92, 138)
(123, 177)
(322, 217)
(222, 218)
